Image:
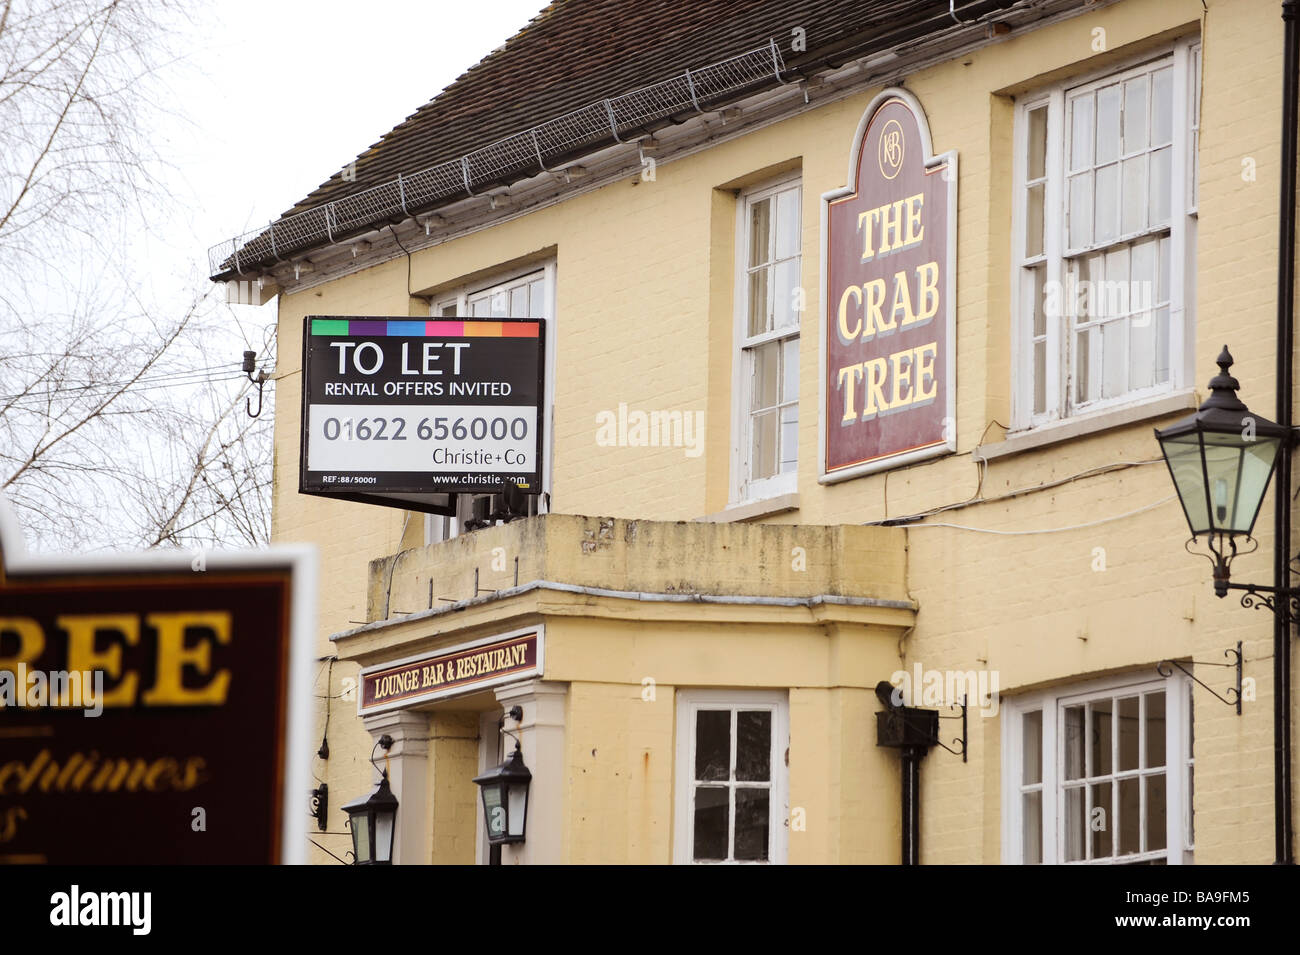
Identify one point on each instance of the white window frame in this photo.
(743, 490)
(1178, 716)
(438, 527)
(689, 704)
(1184, 57)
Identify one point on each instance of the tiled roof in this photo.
(576, 52)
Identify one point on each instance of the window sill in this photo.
(1030, 439)
(749, 510)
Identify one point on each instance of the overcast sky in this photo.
(276, 95)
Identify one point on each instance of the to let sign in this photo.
(451, 672)
(402, 410)
(888, 298)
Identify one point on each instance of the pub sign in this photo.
(888, 298)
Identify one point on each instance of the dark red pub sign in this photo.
(153, 707)
(889, 298)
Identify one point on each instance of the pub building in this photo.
(726, 431)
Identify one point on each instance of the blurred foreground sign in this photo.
(154, 708)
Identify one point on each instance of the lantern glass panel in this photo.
(1238, 471)
(493, 811)
(361, 836)
(518, 799)
(384, 835)
(1184, 456)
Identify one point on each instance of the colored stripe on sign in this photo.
(329, 326)
(392, 328)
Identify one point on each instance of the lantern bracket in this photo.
(1221, 557)
(319, 805)
(960, 743)
(1166, 669)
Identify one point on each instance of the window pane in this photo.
(789, 439)
(519, 302)
(1114, 361)
(754, 745)
(1162, 107)
(1099, 749)
(482, 308)
(713, 745)
(448, 311)
(1130, 816)
(1073, 726)
(1034, 221)
(785, 312)
(759, 228)
(1155, 729)
(1162, 344)
(765, 375)
(1084, 272)
(790, 370)
(762, 459)
(1113, 297)
(1134, 211)
(710, 823)
(537, 298)
(1040, 376)
(1142, 350)
(1073, 823)
(1160, 186)
(1037, 165)
(1086, 379)
(1081, 132)
(1135, 114)
(1107, 204)
(1038, 303)
(1143, 266)
(1080, 211)
(1162, 283)
(1032, 748)
(787, 224)
(752, 812)
(1156, 812)
(1128, 733)
(757, 305)
(1100, 822)
(1032, 827)
(1108, 124)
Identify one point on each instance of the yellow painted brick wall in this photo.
(453, 764)
(620, 764)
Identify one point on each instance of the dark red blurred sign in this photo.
(888, 341)
(153, 707)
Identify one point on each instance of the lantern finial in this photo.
(1223, 387)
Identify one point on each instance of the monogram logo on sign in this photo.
(891, 149)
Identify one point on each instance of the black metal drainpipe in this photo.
(910, 760)
(1282, 505)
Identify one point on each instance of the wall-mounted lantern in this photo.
(373, 819)
(505, 795)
